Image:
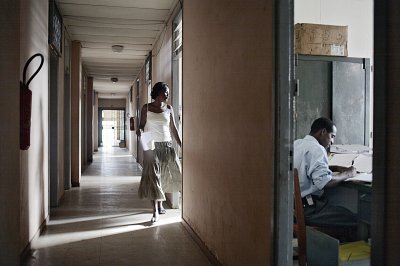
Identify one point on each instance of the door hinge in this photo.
(297, 88)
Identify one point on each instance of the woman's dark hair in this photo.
(157, 89)
(322, 123)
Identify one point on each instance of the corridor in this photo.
(103, 222)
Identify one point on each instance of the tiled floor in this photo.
(103, 222)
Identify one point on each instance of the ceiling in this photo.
(100, 24)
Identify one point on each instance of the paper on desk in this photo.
(345, 160)
(351, 148)
(363, 163)
(364, 177)
(147, 141)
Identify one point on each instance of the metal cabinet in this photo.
(336, 88)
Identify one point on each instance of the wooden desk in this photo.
(355, 196)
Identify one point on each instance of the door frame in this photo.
(100, 120)
(285, 87)
(53, 130)
(284, 131)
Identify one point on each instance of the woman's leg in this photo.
(154, 203)
(161, 209)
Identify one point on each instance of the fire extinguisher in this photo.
(132, 123)
(25, 105)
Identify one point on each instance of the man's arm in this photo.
(345, 173)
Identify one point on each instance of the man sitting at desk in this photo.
(311, 161)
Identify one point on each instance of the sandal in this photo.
(162, 211)
(154, 218)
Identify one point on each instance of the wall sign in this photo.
(55, 28)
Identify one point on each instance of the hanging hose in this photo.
(25, 105)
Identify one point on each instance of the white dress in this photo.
(161, 166)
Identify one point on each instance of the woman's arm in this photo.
(143, 119)
(172, 127)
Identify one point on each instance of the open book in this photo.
(362, 163)
(363, 177)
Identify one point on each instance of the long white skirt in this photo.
(161, 172)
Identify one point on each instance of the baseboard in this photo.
(27, 251)
(201, 244)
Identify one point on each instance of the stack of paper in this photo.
(339, 159)
(363, 163)
(147, 141)
(351, 148)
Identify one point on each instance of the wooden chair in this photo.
(299, 226)
(323, 249)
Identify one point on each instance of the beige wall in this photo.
(143, 99)
(9, 130)
(228, 128)
(161, 55)
(161, 71)
(34, 162)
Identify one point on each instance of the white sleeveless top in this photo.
(158, 124)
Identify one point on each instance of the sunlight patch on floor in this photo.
(57, 239)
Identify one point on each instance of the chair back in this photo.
(299, 227)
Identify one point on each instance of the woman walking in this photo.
(161, 167)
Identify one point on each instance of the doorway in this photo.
(287, 88)
(177, 74)
(112, 128)
(53, 130)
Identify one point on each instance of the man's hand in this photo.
(347, 172)
(350, 171)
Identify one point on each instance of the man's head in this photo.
(324, 130)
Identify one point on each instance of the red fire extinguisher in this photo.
(132, 123)
(25, 105)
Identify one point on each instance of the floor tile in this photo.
(103, 222)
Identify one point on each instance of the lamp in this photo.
(117, 48)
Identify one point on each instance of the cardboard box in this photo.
(318, 39)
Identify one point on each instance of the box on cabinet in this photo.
(318, 39)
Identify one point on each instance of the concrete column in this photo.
(89, 121)
(76, 74)
(96, 122)
(385, 225)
